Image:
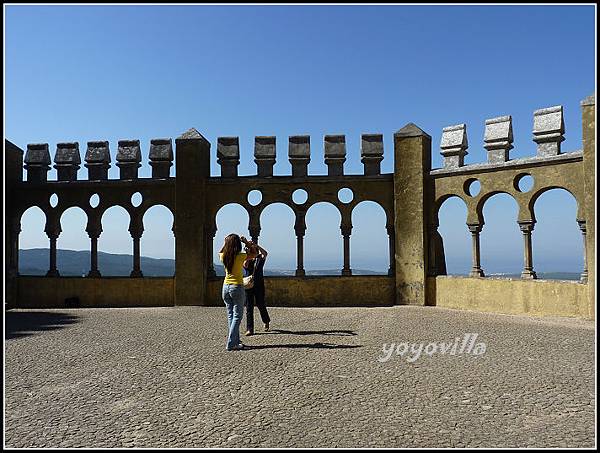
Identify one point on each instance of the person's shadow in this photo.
(22, 324)
(304, 346)
(337, 333)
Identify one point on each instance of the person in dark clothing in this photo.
(254, 264)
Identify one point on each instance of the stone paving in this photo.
(160, 377)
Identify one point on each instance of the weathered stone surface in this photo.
(161, 378)
(161, 149)
(454, 145)
(299, 154)
(335, 154)
(228, 155)
(67, 161)
(548, 130)
(37, 162)
(97, 158)
(498, 138)
(264, 154)
(129, 157)
(371, 151)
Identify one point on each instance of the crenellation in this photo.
(228, 156)
(67, 161)
(548, 130)
(335, 154)
(129, 157)
(265, 154)
(97, 160)
(371, 152)
(454, 145)
(161, 157)
(498, 139)
(299, 154)
(37, 162)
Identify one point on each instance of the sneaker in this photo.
(248, 333)
(239, 347)
(266, 327)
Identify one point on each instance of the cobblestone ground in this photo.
(161, 378)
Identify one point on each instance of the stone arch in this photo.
(454, 239)
(478, 216)
(376, 256)
(501, 239)
(280, 239)
(325, 236)
(557, 241)
(229, 218)
(157, 241)
(73, 240)
(538, 193)
(115, 239)
(33, 253)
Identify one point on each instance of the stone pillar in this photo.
(454, 146)
(129, 157)
(437, 259)
(548, 130)
(498, 139)
(299, 154)
(94, 233)
(300, 228)
(371, 152)
(582, 227)
(193, 168)
(53, 231)
(412, 164)
(475, 229)
(335, 154)
(97, 160)
(254, 230)
(264, 155)
(346, 232)
(161, 157)
(526, 228)
(37, 162)
(589, 178)
(391, 248)
(211, 233)
(67, 161)
(13, 161)
(136, 230)
(228, 156)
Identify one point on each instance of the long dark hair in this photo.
(232, 246)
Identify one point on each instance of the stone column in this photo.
(582, 227)
(391, 248)
(13, 248)
(346, 232)
(13, 162)
(526, 229)
(94, 234)
(475, 229)
(589, 178)
(300, 228)
(211, 232)
(412, 164)
(136, 232)
(53, 232)
(192, 162)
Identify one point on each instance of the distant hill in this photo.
(77, 263)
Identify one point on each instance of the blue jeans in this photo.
(234, 297)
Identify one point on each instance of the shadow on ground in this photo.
(306, 346)
(338, 333)
(22, 324)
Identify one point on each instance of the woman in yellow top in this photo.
(234, 295)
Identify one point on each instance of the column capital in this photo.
(526, 226)
(346, 229)
(475, 227)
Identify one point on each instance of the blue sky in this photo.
(80, 73)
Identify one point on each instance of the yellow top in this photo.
(237, 276)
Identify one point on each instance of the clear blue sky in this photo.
(80, 73)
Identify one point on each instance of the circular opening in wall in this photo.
(300, 196)
(524, 183)
(94, 200)
(345, 195)
(472, 187)
(254, 197)
(53, 200)
(136, 199)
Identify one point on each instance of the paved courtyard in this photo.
(161, 378)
